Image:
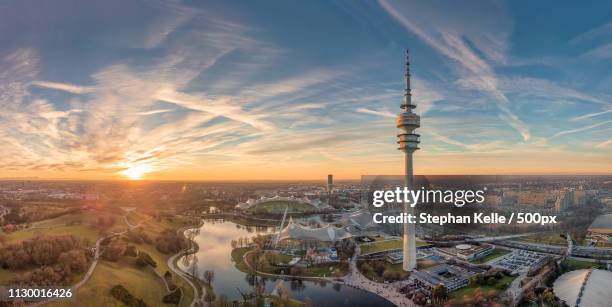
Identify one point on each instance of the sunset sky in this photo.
(299, 89)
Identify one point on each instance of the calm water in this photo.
(215, 239)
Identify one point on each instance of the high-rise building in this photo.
(407, 122)
(564, 201)
(330, 184)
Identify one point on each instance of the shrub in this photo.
(122, 294)
(131, 251)
(173, 297)
(145, 259)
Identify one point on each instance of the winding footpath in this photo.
(185, 276)
(173, 260)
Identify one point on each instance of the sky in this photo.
(247, 90)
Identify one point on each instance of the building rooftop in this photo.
(328, 233)
(602, 224)
(595, 292)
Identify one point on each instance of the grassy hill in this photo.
(279, 207)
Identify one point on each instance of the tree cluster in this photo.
(105, 222)
(39, 251)
(139, 236)
(115, 249)
(170, 242)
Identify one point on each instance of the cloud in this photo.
(66, 87)
(589, 127)
(16, 70)
(383, 113)
(585, 116)
(595, 33)
(604, 144)
(221, 107)
(601, 52)
(462, 37)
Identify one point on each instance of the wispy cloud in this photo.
(450, 34)
(600, 52)
(383, 113)
(589, 115)
(604, 144)
(66, 87)
(597, 32)
(589, 127)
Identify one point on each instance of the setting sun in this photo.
(136, 172)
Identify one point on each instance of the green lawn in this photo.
(80, 231)
(502, 283)
(572, 265)
(545, 238)
(237, 254)
(374, 276)
(379, 246)
(279, 207)
(498, 252)
(336, 269)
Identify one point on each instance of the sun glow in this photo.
(136, 172)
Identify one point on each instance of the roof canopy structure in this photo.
(325, 234)
(361, 219)
(588, 288)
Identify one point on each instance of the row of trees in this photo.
(240, 242)
(56, 259)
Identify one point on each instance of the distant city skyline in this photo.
(279, 91)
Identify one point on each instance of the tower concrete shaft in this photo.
(407, 122)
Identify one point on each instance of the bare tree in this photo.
(209, 276)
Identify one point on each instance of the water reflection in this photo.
(215, 237)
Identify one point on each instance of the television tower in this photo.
(408, 142)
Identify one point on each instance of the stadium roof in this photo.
(327, 234)
(361, 219)
(596, 290)
(602, 224)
